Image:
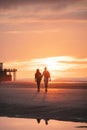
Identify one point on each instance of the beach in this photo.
(63, 101)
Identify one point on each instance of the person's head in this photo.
(37, 70)
(45, 68)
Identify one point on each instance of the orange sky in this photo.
(60, 67)
(40, 29)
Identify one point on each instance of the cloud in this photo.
(58, 66)
(60, 60)
(82, 61)
(48, 9)
(32, 15)
(55, 4)
(14, 3)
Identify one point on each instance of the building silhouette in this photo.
(6, 74)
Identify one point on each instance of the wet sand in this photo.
(66, 102)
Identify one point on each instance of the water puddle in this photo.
(37, 124)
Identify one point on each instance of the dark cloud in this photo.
(53, 7)
(13, 3)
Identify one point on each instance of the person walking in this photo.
(46, 75)
(38, 77)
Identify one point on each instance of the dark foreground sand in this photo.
(66, 102)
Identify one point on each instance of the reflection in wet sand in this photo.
(46, 120)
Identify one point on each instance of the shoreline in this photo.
(61, 85)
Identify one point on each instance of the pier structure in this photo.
(6, 74)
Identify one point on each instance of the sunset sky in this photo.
(34, 31)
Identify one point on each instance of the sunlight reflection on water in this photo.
(33, 124)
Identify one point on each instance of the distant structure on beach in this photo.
(6, 74)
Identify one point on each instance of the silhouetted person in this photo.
(38, 79)
(46, 75)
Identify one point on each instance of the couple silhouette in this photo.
(39, 76)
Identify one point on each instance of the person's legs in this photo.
(45, 88)
(46, 84)
(38, 85)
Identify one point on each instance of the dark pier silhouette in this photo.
(6, 74)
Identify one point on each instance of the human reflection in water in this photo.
(46, 121)
(39, 120)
